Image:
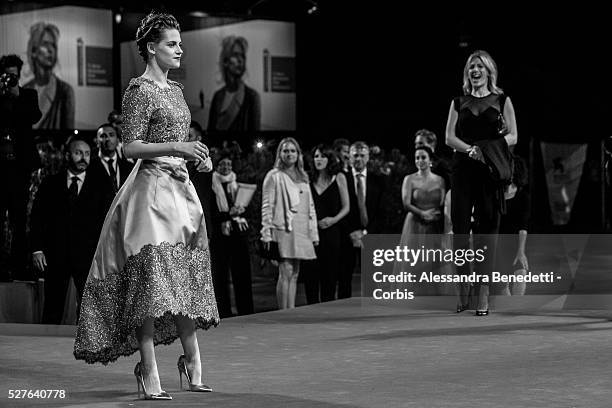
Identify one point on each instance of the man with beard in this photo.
(108, 164)
(67, 217)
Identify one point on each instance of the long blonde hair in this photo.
(299, 166)
(491, 67)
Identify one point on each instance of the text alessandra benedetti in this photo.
(430, 277)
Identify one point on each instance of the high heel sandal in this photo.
(140, 383)
(182, 369)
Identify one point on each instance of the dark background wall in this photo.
(381, 70)
(386, 71)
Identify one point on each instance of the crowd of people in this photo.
(147, 223)
(344, 186)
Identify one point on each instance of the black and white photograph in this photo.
(305, 203)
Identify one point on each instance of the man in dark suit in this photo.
(18, 156)
(108, 164)
(365, 195)
(67, 217)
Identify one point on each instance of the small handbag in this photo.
(271, 254)
(502, 126)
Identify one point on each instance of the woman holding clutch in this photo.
(474, 119)
(288, 217)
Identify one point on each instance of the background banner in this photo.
(67, 54)
(563, 163)
(269, 59)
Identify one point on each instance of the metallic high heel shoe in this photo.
(140, 383)
(182, 369)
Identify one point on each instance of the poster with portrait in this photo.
(67, 55)
(237, 77)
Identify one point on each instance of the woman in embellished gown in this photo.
(423, 196)
(150, 279)
(288, 218)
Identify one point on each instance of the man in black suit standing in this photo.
(18, 156)
(365, 195)
(67, 217)
(108, 164)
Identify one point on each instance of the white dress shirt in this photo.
(356, 180)
(80, 181)
(115, 158)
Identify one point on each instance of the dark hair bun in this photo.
(151, 28)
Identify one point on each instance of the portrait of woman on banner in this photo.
(55, 97)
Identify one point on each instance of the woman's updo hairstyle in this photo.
(426, 149)
(150, 30)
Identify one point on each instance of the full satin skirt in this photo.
(152, 260)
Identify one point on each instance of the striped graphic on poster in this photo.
(563, 164)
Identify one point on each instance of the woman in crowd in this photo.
(423, 197)
(150, 280)
(229, 244)
(331, 199)
(473, 120)
(288, 217)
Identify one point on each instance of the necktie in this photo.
(73, 189)
(361, 200)
(113, 174)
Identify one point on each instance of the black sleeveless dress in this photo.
(473, 187)
(321, 281)
(478, 120)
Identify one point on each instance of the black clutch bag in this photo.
(502, 126)
(271, 254)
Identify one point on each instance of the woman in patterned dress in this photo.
(150, 279)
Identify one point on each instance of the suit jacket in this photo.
(68, 232)
(375, 188)
(279, 200)
(96, 166)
